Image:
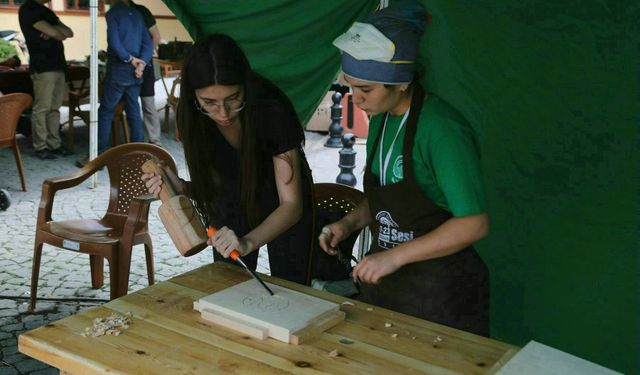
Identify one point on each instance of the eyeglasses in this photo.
(230, 105)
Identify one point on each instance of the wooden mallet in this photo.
(178, 215)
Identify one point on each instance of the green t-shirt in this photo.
(445, 157)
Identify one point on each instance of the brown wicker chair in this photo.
(11, 106)
(332, 202)
(112, 237)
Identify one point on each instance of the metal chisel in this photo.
(235, 255)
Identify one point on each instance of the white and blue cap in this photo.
(383, 48)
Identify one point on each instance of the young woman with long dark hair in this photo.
(243, 146)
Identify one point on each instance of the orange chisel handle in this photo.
(235, 255)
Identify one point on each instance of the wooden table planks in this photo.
(169, 337)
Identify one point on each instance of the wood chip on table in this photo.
(112, 325)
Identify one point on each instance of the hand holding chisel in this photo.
(235, 255)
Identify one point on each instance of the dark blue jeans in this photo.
(120, 81)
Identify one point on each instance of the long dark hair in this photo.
(217, 60)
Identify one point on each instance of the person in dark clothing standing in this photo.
(129, 50)
(243, 145)
(44, 34)
(150, 117)
(424, 196)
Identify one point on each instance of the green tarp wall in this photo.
(286, 40)
(553, 91)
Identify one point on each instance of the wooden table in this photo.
(168, 337)
(169, 68)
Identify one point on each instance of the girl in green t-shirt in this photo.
(424, 199)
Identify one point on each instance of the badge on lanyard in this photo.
(384, 163)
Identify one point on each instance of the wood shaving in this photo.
(395, 335)
(334, 353)
(437, 339)
(387, 324)
(369, 309)
(112, 325)
(413, 337)
(347, 303)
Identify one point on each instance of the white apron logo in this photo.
(389, 235)
(397, 170)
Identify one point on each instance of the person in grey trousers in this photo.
(150, 116)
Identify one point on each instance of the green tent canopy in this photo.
(553, 91)
(287, 41)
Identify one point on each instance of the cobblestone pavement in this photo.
(65, 274)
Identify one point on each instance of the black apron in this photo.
(452, 290)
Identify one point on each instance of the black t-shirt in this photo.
(45, 54)
(279, 132)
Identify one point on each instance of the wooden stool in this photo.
(78, 94)
(119, 120)
(172, 103)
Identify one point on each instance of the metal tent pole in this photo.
(93, 117)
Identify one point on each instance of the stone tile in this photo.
(9, 312)
(29, 365)
(14, 290)
(67, 307)
(22, 274)
(14, 358)
(33, 325)
(8, 370)
(75, 285)
(47, 371)
(7, 290)
(10, 350)
(23, 307)
(4, 321)
(65, 292)
(57, 316)
(11, 341)
(16, 327)
(43, 307)
(32, 319)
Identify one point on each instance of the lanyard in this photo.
(384, 165)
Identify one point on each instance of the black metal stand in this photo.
(335, 129)
(347, 161)
(5, 200)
